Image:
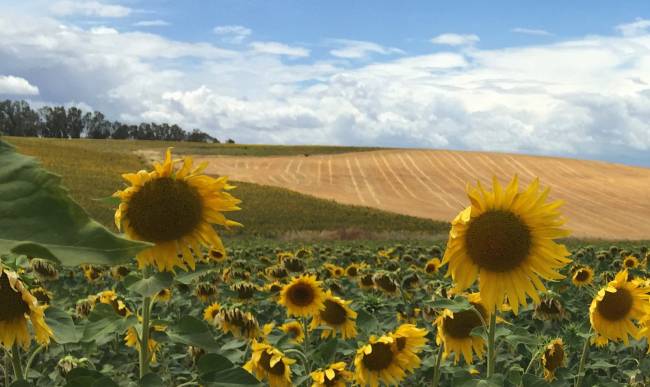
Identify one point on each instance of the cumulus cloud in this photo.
(450, 39)
(531, 31)
(232, 34)
(584, 97)
(89, 8)
(151, 23)
(277, 48)
(16, 86)
(355, 49)
(637, 27)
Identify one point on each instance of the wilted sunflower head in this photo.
(119, 272)
(302, 296)
(244, 290)
(354, 270)
(277, 272)
(378, 362)
(84, 306)
(553, 358)
(18, 307)
(45, 270)
(617, 306)
(550, 308)
(68, 363)
(366, 281)
(582, 276)
(384, 282)
(335, 375)
(206, 291)
(270, 364)
(174, 209)
(410, 281)
(43, 296)
(293, 264)
(240, 324)
(506, 239)
(92, 272)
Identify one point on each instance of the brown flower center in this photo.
(12, 306)
(366, 280)
(301, 294)
(582, 275)
(463, 323)
(265, 362)
(380, 358)
(164, 210)
(334, 313)
(498, 241)
(615, 306)
(553, 358)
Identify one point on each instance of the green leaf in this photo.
(231, 377)
(457, 304)
(104, 323)
(21, 383)
(192, 331)
(65, 332)
(187, 277)
(211, 362)
(83, 377)
(148, 287)
(367, 322)
(38, 218)
(151, 380)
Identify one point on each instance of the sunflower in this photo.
(506, 239)
(245, 290)
(303, 296)
(210, 312)
(294, 330)
(240, 324)
(206, 291)
(630, 262)
(614, 308)
(378, 362)
(84, 306)
(549, 308)
(432, 266)
(131, 339)
(216, 255)
(268, 363)
(119, 272)
(354, 270)
(92, 273)
(335, 375)
(553, 358)
(44, 270)
(583, 276)
(366, 282)
(293, 264)
(174, 209)
(17, 307)
(276, 272)
(337, 317)
(454, 330)
(164, 295)
(107, 296)
(409, 341)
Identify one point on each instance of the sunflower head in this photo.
(270, 364)
(43, 295)
(119, 272)
(277, 272)
(216, 255)
(45, 270)
(366, 282)
(550, 308)
(294, 330)
(245, 290)
(206, 291)
(174, 208)
(505, 238)
(409, 341)
(553, 358)
(293, 264)
(164, 295)
(18, 307)
(84, 306)
(92, 272)
(583, 276)
(302, 296)
(455, 330)
(335, 375)
(240, 324)
(617, 307)
(378, 362)
(384, 282)
(337, 316)
(432, 266)
(210, 313)
(630, 262)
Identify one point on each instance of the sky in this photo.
(556, 78)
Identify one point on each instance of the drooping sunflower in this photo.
(335, 375)
(409, 341)
(216, 255)
(630, 262)
(42, 295)
(385, 283)
(164, 295)
(454, 330)
(294, 330)
(240, 324)
(506, 239)
(174, 209)
(617, 306)
(206, 291)
(270, 364)
(337, 316)
(210, 313)
(432, 266)
(302, 296)
(583, 276)
(119, 272)
(553, 358)
(92, 272)
(45, 270)
(366, 282)
(354, 269)
(17, 307)
(378, 362)
(131, 339)
(245, 290)
(549, 309)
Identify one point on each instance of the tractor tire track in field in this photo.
(602, 200)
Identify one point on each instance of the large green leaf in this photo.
(191, 331)
(62, 325)
(38, 218)
(153, 285)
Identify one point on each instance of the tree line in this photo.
(17, 118)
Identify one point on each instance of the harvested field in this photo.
(603, 200)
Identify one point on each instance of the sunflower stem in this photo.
(583, 358)
(16, 363)
(144, 342)
(491, 360)
(307, 346)
(530, 364)
(6, 367)
(436, 368)
(32, 357)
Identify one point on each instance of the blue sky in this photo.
(557, 78)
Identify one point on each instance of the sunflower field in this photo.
(502, 302)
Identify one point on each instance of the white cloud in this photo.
(531, 31)
(16, 86)
(277, 48)
(637, 27)
(355, 49)
(89, 8)
(232, 34)
(151, 23)
(455, 39)
(585, 97)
